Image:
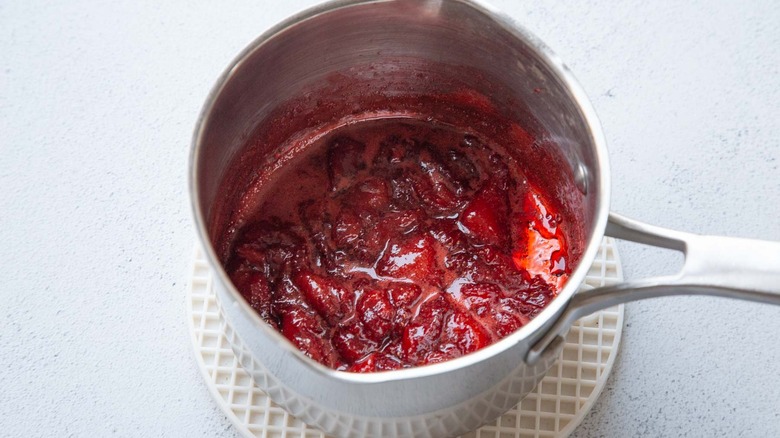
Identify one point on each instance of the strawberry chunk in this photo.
(273, 245)
(477, 298)
(303, 328)
(403, 193)
(253, 254)
(486, 302)
(255, 288)
(438, 356)
(325, 296)
(375, 362)
(394, 150)
(461, 168)
(403, 294)
(447, 233)
(434, 193)
(368, 196)
(422, 334)
(509, 316)
(352, 344)
(434, 166)
(534, 291)
(347, 229)
(376, 313)
(472, 142)
(376, 234)
(401, 222)
(345, 159)
(402, 297)
(463, 333)
(486, 217)
(411, 258)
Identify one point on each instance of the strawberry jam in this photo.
(393, 243)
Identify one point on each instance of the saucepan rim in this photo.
(531, 331)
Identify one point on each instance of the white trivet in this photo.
(553, 409)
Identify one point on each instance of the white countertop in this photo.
(97, 105)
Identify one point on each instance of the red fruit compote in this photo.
(393, 243)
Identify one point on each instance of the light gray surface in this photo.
(97, 105)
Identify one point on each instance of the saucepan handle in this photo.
(721, 266)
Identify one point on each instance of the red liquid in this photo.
(394, 243)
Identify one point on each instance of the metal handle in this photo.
(721, 266)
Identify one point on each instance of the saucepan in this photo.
(389, 47)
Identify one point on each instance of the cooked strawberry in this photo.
(422, 334)
(435, 194)
(403, 294)
(402, 297)
(402, 187)
(534, 291)
(508, 316)
(272, 245)
(255, 288)
(315, 215)
(497, 266)
(470, 265)
(352, 343)
(347, 229)
(400, 222)
(272, 232)
(486, 217)
(558, 265)
(477, 298)
(376, 234)
(375, 362)
(328, 298)
(371, 245)
(433, 166)
(302, 328)
(410, 258)
(376, 313)
(394, 150)
(345, 159)
(461, 168)
(472, 142)
(437, 356)
(486, 302)
(447, 233)
(464, 333)
(367, 197)
(253, 254)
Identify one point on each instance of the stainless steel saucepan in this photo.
(457, 41)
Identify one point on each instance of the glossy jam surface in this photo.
(394, 243)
